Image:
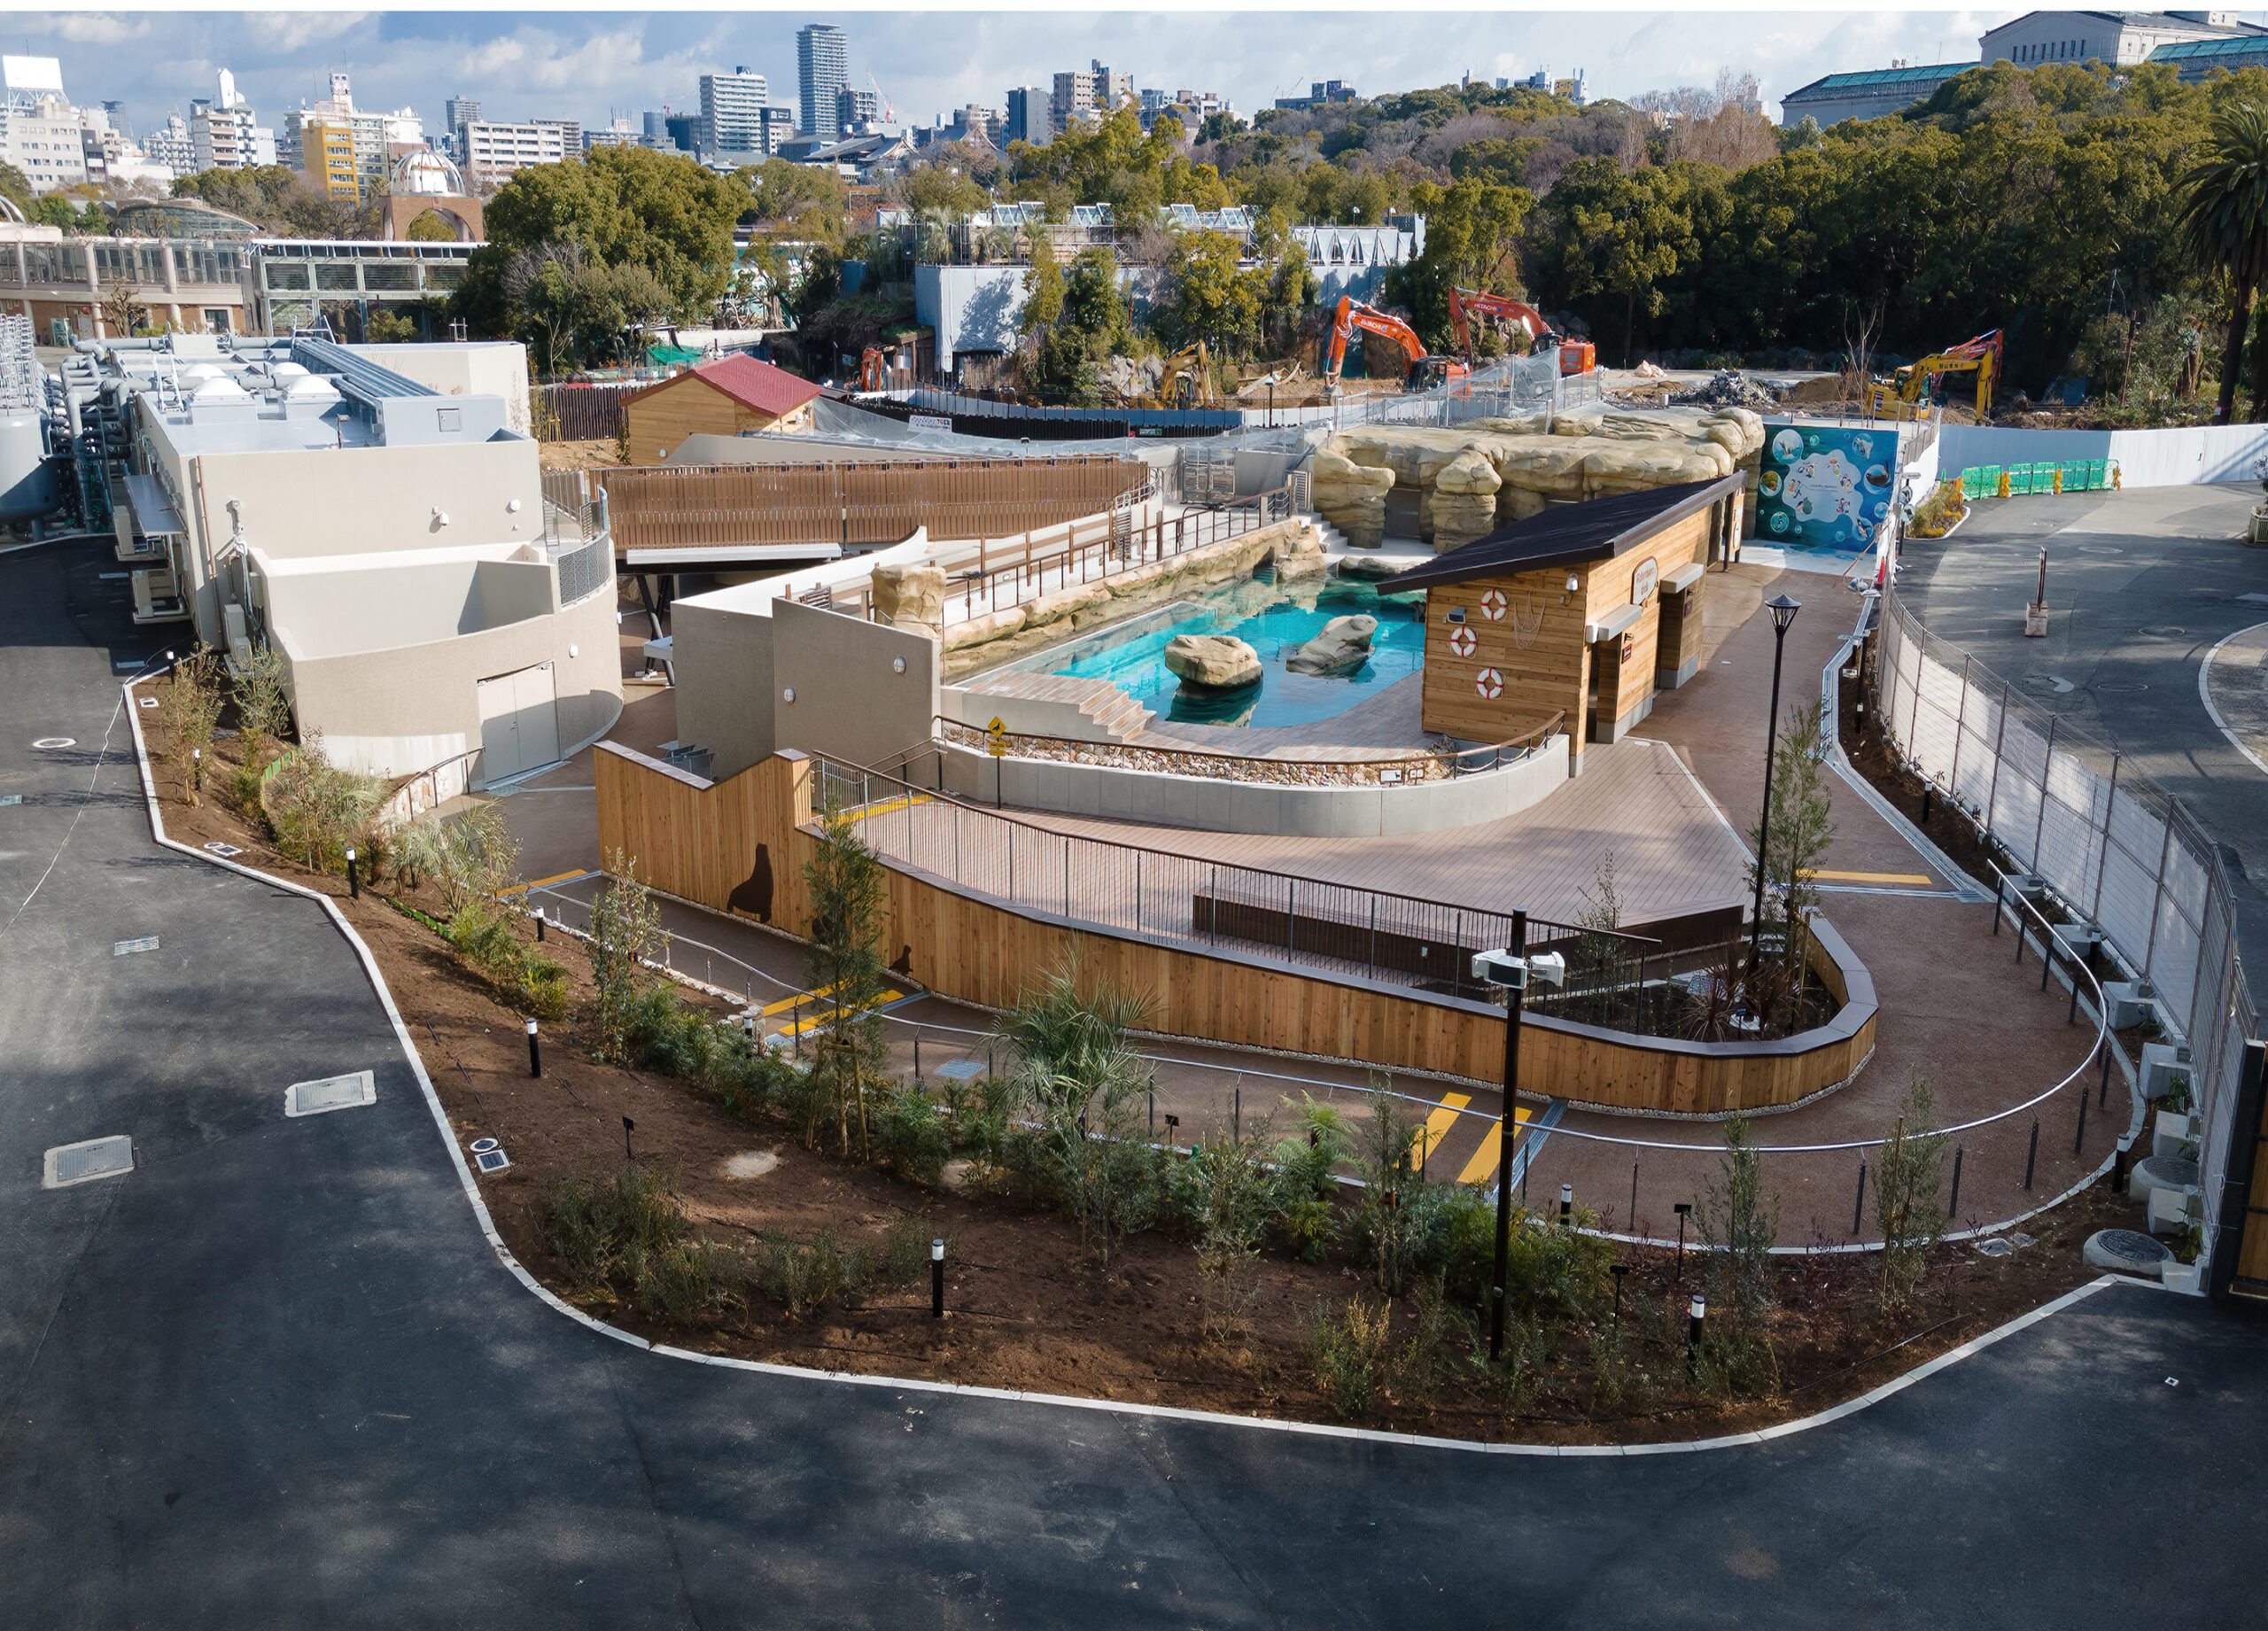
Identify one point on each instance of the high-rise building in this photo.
(1027, 119)
(225, 134)
(495, 151)
(822, 68)
(683, 130)
(732, 111)
(779, 125)
(1086, 97)
(171, 146)
(327, 155)
(571, 133)
(856, 109)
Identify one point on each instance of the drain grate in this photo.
(328, 1093)
(128, 948)
(12, 798)
(223, 849)
(82, 1163)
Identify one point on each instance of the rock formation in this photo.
(1219, 662)
(1342, 647)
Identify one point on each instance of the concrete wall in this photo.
(479, 368)
(369, 500)
(2171, 458)
(737, 654)
(1257, 806)
(402, 600)
(850, 700)
(405, 709)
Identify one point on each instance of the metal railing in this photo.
(1178, 899)
(1426, 764)
(2106, 842)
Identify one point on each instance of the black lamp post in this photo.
(1784, 612)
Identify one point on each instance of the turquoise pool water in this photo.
(1272, 622)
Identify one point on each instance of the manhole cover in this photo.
(1995, 1248)
(2125, 1249)
(481, 1146)
(51, 742)
(82, 1163)
(128, 948)
(2166, 1172)
(345, 1092)
(2162, 629)
(223, 849)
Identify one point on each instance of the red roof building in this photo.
(725, 398)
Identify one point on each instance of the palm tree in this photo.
(2225, 222)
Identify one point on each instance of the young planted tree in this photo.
(189, 711)
(1907, 1176)
(263, 711)
(1388, 1217)
(1079, 1077)
(626, 933)
(1790, 854)
(1737, 1222)
(850, 915)
(1233, 1189)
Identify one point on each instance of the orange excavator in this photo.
(874, 369)
(1426, 372)
(1575, 356)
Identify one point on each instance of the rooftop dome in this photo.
(289, 371)
(220, 388)
(426, 174)
(310, 385)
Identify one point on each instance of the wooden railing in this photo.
(863, 503)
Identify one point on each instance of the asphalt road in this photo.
(274, 1376)
(2141, 586)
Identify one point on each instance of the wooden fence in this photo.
(741, 846)
(860, 503)
(578, 413)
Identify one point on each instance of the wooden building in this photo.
(1586, 609)
(723, 398)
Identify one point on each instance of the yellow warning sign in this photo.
(997, 738)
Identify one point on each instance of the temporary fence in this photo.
(861, 502)
(1987, 481)
(2118, 855)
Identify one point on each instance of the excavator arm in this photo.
(1462, 302)
(1352, 315)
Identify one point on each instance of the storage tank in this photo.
(30, 482)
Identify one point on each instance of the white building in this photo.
(496, 151)
(171, 147)
(733, 108)
(377, 138)
(1868, 95)
(2119, 39)
(47, 142)
(822, 68)
(1085, 96)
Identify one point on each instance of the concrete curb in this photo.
(1316, 1430)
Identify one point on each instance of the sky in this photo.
(589, 65)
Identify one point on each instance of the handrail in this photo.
(1452, 758)
(907, 793)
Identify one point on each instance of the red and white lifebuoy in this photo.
(1492, 604)
(1490, 683)
(1462, 642)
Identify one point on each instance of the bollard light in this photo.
(937, 1280)
(1684, 1209)
(1567, 1203)
(539, 925)
(353, 888)
(1695, 1315)
(535, 1054)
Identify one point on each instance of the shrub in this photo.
(1387, 1227)
(1307, 1162)
(528, 980)
(594, 1224)
(909, 1135)
(1349, 1353)
(801, 1275)
(470, 856)
(188, 710)
(715, 1055)
(1232, 1184)
(256, 685)
(626, 933)
(316, 810)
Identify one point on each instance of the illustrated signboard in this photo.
(1828, 487)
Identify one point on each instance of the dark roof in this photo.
(1878, 82)
(1566, 535)
(748, 381)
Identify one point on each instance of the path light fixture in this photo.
(353, 888)
(535, 1052)
(1511, 968)
(1784, 612)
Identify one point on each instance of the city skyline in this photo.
(590, 66)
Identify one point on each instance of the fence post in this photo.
(2047, 774)
(2103, 858)
(1960, 719)
(2000, 741)
(2157, 892)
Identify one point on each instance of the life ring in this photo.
(1462, 642)
(1490, 683)
(1492, 605)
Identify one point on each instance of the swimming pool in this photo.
(1271, 622)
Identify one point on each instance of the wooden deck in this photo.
(1673, 851)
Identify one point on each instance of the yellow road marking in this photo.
(885, 805)
(1872, 877)
(818, 1017)
(1437, 1126)
(1482, 1167)
(785, 1003)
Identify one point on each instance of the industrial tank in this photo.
(30, 482)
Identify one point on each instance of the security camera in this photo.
(1501, 967)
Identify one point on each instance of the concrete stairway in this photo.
(1114, 715)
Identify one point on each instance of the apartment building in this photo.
(1028, 119)
(822, 69)
(858, 112)
(1085, 96)
(495, 151)
(733, 106)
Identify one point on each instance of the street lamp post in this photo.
(1784, 612)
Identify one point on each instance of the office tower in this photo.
(822, 56)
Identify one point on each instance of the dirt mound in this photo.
(1727, 388)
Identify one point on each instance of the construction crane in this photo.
(1980, 356)
(1575, 356)
(889, 113)
(1425, 371)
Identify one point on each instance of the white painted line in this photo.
(2205, 696)
(325, 1095)
(88, 1160)
(1064, 1402)
(128, 948)
(48, 744)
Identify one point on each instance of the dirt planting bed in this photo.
(1032, 1308)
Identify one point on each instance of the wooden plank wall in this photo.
(702, 843)
(1541, 678)
(661, 419)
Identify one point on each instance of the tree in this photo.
(849, 895)
(2224, 222)
(1627, 235)
(1909, 1173)
(625, 934)
(427, 227)
(1208, 295)
(1788, 854)
(122, 309)
(15, 186)
(1220, 127)
(1472, 238)
(1737, 1222)
(933, 190)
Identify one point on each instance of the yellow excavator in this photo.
(1187, 381)
(1980, 356)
